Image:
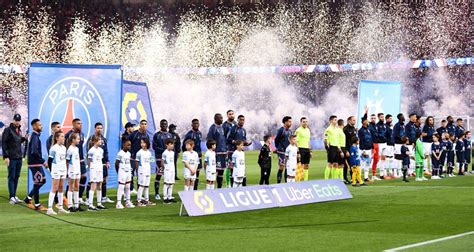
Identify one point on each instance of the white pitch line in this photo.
(429, 242)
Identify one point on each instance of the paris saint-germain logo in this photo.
(73, 97)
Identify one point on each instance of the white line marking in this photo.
(429, 242)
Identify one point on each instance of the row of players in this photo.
(64, 162)
(381, 146)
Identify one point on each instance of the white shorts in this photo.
(210, 175)
(124, 177)
(169, 176)
(96, 175)
(187, 174)
(366, 161)
(74, 175)
(389, 151)
(382, 148)
(143, 179)
(238, 180)
(291, 171)
(398, 149)
(427, 148)
(55, 174)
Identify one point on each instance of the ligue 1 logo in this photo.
(132, 109)
(73, 97)
(203, 202)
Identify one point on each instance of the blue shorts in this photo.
(83, 168)
(281, 158)
(221, 161)
(37, 174)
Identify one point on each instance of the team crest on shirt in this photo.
(73, 97)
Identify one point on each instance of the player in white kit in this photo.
(210, 164)
(191, 161)
(57, 162)
(96, 177)
(124, 172)
(238, 163)
(168, 171)
(291, 159)
(74, 172)
(143, 160)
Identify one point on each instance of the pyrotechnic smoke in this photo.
(283, 35)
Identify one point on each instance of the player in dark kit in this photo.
(135, 140)
(159, 146)
(36, 164)
(459, 128)
(77, 128)
(55, 126)
(230, 122)
(405, 156)
(265, 161)
(467, 152)
(397, 134)
(450, 127)
(282, 140)
(450, 155)
(427, 139)
(441, 130)
(227, 126)
(350, 131)
(195, 135)
(366, 145)
(237, 132)
(216, 133)
(128, 130)
(375, 149)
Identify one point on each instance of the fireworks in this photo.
(305, 34)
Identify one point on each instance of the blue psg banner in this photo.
(62, 92)
(136, 105)
(207, 202)
(379, 97)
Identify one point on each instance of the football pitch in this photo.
(382, 216)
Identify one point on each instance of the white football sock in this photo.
(60, 199)
(127, 192)
(99, 197)
(366, 174)
(51, 200)
(139, 193)
(70, 200)
(91, 198)
(146, 192)
(120, 192)
(165, 191)
(170, 191)
(76, 198)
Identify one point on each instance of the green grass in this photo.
(384, 215)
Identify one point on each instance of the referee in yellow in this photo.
(303, 138)
(331, 142)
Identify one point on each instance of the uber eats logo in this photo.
(204, 202)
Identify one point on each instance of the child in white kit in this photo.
(167, 162)
(210, 164)
(191, 161)
(143, 160)
(238, 162)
